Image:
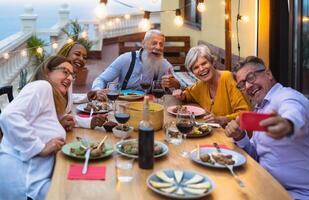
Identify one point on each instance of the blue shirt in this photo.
(287, 159)
(119, 68)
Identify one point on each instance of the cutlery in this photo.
(198, 152)
(86, 143)
(230, 167)
(102, 142)
(91, 112)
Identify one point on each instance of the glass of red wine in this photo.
(144, 83)
(112, 93)
(158, 91)
(184, 124)
(122, 114)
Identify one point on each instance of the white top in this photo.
(28, 123)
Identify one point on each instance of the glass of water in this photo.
(124, 168)
(173, 136)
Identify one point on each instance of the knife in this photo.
(87, 156)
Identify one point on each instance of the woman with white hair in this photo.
(215, 90)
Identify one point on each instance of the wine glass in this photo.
(185, 125)
(122, 114)
(112, 93)
(145, 83)
(158, 91)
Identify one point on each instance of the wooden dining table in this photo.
(259, 184)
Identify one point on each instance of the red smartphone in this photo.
(249, 121)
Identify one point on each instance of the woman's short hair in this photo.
(252, 60)
(195, 52)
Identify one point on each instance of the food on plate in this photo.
(223, 159)
(200, 185)
(180, 108)
(81, 150)
(161, 175)
(123, 128)
(195, 179)
(202, 129)
(96, 106)
(194, 191)
(132, 148)
(178, 175)
(160, 184)
(109, 125)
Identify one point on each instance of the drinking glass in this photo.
(158, 91)
(112, 93)
(124, 168)
(145, 83)
(122, 114)
(173, 136)
(185, 125)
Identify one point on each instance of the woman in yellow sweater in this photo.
(215, 90)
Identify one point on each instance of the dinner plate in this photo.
(119, 148)
(66, 150)
(81, 107)
(203, 134)
(198, 111)
(187, 175)
(131, 95)
(237, 157)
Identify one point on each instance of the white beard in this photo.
(151, 64)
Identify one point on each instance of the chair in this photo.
(8, 90)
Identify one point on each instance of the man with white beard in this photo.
(148, 62)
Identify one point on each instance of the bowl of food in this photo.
(122, 131)
(156, 114)
(109, 125)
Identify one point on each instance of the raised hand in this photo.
(179, 94)
(98, 120)
(232, 129)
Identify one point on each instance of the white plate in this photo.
(198, 111)
(119, 144)
(81, 107)
(187, 175)
(237, 157)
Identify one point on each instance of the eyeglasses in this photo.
(66, 72)
(250, 78)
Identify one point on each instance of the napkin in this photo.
(222, 146)
(83, 115)
(93, 172)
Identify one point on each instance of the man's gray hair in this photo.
(252, 60)
(198, 51)
(152, 32)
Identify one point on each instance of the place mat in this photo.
(93, 172)
(210, 145)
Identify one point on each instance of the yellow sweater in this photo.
(228, 102)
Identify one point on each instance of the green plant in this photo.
(74, 31)
(32, 45)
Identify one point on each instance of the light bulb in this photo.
(201, 7)
(6, 55)
(39, 50)
(23, 53)
(127, 16)
(117, 20)
(305, 19)
(102, 27)
(110, 23)
(100, 11)
(69, 40)
(178, 21)
(55, 45)
(84, 34)
(245, 18)
(144, 24)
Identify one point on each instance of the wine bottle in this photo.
(145, 139)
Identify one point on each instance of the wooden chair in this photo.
(8, 90)
(175, 50)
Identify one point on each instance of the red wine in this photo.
(158, 93)
(146, 147)
(122, 117)
(145, 85)
(112, 96)
(184, 127)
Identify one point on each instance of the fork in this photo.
(230, 167)
(91, 112)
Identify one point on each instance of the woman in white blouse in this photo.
(32, 133)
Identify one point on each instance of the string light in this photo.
(39, 50)
(100, 11)
(127, 16)
(23, 53)
(102, 27)
(117, 20)
(84, 34)
(69, 40)
(55, 45)
(6, 56)
(201, 7)
(145, 25)
(110, 23)
(178, 19)
(305, 19)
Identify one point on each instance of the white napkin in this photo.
(80, 98)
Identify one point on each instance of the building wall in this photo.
(213, 28)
